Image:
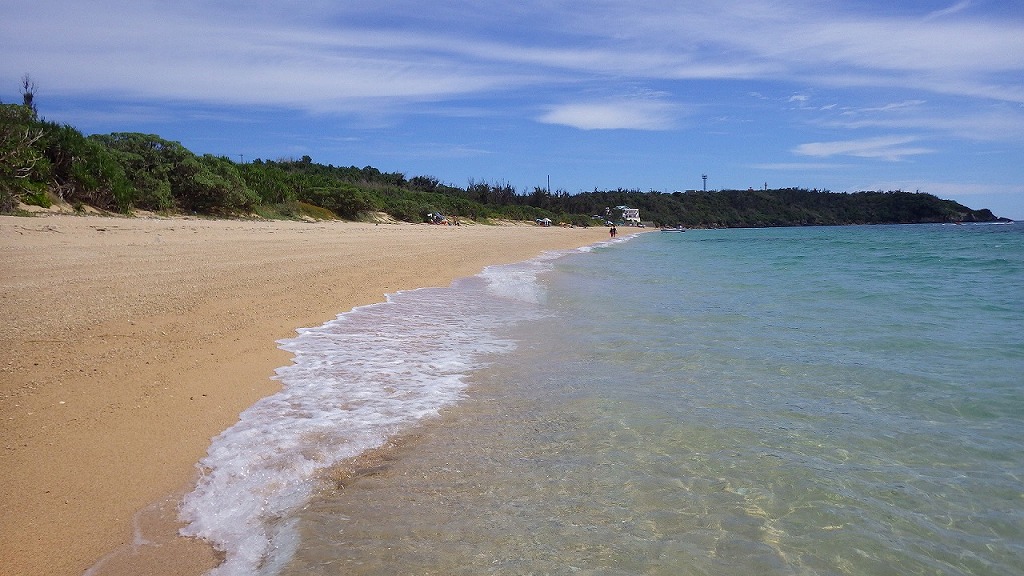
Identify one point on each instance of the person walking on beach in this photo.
(612, 232)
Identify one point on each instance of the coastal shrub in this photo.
(23, 167)
(407, 210)
(270, 182)
(8, 200)
(209, 184)
(293, 210)
(100, 180)
(153, 194)
(37, 198)
(343, 199)
(270, 212)
(316, 212)
(147, 161)
(84, 171)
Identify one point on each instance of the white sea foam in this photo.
(609, 242)
(354, 382)
(518, 282)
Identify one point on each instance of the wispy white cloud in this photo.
(443, 150)
(323, 55)
(891, 107)
(949, 11)
(989, 123)
(631, 114)
(797, 166)
(892, 148)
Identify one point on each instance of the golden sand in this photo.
(128, 343)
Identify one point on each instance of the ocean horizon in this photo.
(828, 400)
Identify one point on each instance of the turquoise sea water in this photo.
(778, 401)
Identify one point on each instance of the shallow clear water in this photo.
(783, 401)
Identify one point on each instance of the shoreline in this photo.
(131, 342)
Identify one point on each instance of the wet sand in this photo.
(129, 342)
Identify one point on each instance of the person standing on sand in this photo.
(612, 232)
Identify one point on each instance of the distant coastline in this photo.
(44, 163)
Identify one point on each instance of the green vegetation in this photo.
(42, 162)
(783, 207)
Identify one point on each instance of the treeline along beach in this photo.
(42, 162)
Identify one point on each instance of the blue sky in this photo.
(845, 96)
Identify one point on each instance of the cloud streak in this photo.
(891, 148)
(949, 11)
(630, 114)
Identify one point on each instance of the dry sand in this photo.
(128, 343)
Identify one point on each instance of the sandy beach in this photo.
(129, 342)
